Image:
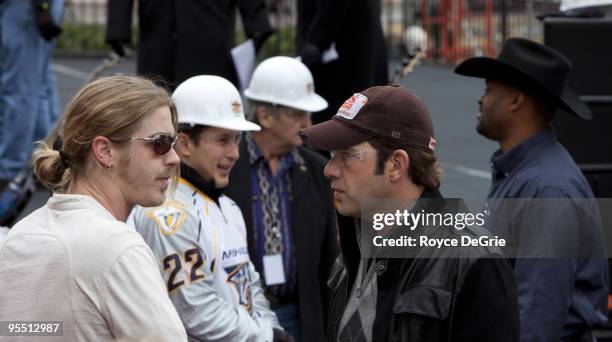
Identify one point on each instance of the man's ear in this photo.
(103, 151)
(264, 116)
(397, 165)
(517, 100)
(184, 145)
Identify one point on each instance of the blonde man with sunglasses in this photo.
(74, 261)
(199, 236)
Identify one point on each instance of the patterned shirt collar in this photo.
(255, 154)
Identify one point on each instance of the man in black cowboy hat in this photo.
(560, 268)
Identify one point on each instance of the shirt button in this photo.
(380, 267)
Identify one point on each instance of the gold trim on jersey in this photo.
(194, 188)
(214, 229)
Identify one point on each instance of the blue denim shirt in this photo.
(557, 297)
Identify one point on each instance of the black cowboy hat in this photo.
(529, 65)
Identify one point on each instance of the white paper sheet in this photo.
(244, 62)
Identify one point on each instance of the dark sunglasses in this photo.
(162, 143)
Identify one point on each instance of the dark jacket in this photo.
(314, 232)
(354, 26)
(447, 294)
(183, 38)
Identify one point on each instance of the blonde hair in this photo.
(113, 107)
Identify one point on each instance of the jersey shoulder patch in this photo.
(168, 217)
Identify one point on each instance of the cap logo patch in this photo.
(309, 88)
(432, 144)
(396, 134)
(236, 107)
(352, 106)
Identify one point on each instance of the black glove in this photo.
(117, 46)
(46, 26)
(311, 55)
(282, 336)
(260, 38)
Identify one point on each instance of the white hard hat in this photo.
(285, 81)
(211, 101)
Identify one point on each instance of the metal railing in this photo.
(456, 29)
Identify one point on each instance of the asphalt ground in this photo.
(451, 99)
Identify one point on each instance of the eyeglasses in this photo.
(346, 157)
(162, 143)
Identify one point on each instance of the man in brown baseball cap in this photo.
(377, 122)
(382, 147)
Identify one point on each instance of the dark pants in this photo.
(289, 318)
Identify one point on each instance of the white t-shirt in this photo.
(203, 256)
(3, 232)
(72, 261)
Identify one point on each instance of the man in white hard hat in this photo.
(285, 199)
(199, 236)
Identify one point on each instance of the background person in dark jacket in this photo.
(284, 197)
(382, 144)
(183, 38)
(561, 270)
(354, 27)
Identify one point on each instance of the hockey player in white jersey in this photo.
(199, 236)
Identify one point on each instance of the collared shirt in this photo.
(272, 218)
(538, 163)
(558, 297)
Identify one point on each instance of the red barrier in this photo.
(444, 21)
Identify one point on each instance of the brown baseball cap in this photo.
(390, 113)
